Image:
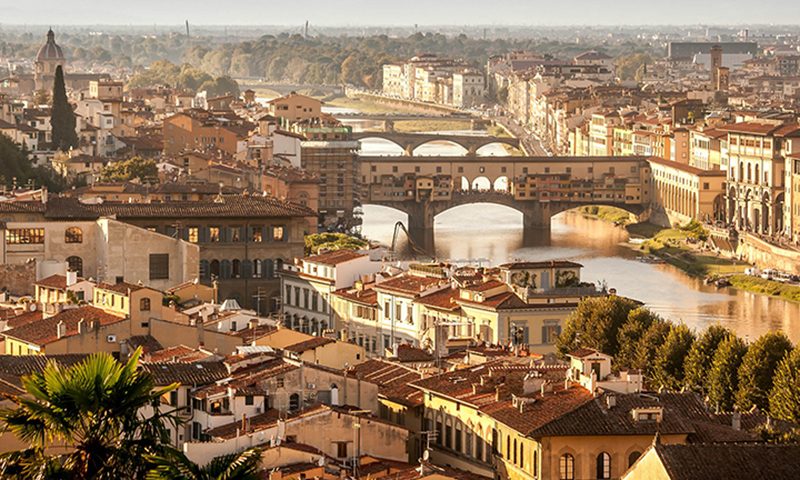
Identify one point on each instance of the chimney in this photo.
(499, 392)
(61, 329)
(72, 278)
(80, 326)
(736, 419)
(44, 195)
(611, 401)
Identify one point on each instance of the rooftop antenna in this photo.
(305, 30)
(187, 28)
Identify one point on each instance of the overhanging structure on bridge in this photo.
(539, 187)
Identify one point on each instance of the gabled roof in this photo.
(196, 374)
(755, 462)
(335, 257)
(45, 331)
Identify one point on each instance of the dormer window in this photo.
(654, 414)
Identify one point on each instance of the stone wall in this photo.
(18, 279)
(765, 255)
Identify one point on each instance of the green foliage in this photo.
(332, 241)
(698, 363)
(695, 230)
(784, 400)
(185, 77)
(765, 287)
(758, 368)
(173, 465)
(93, 406)
(668, 367)
(630, 336)
(62, 117)
(139, 168)
(15, 167)
(723, 378)
(648, 346)
(595, 324)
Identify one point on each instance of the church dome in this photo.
(50, 50)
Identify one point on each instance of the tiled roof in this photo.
(24, 319)
(366, 296)
(147, 342)
(309, 344)
(122, 287)
(335, 257)
(756, 462)
(410, 353)
(19, 365)
(443, 299)
(233, 206)
(409, 284)
(583, 352)
(392, 379)
(53, 281)
(44, 331)
(197, 374)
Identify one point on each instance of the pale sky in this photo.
(399, 12)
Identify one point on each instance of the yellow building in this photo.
(136, 302)
(686, 193)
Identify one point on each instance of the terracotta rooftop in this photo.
(335, 257)
(366, 296)
(45, 331)
(310, 344)
(196, 374)
(392, 379)
(122, 287)
(410, 354)
(684, 462)
(409, 284)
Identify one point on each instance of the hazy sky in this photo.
(399, 12)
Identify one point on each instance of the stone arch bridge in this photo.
(410, 141)
(538, 187)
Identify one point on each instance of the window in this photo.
(193, 234)
(633, 457)
(24, 236)
(248, 400)
(213, 234)
(604, 465)
(256, 234)
(144, 305)
(341, 449)
(235, 235)
(278, 233)
(75, 264)
(279, 382)
(73, 235)
(159, 266)
(566, 467)
(294, 402)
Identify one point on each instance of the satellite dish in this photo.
(426, 455)
(32, 307)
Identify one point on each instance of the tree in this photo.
(137, 167)
(648, 346)
(94, 407)
(758, 369)
(784, 399)
(630, 335)
(174, 465)
(668, 366)
(16, 168)
(698, 363)
(62, 117)
(595, 324)
(723, 378)
(332, 241)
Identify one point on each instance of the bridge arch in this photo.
(413, 148)
(387, 142)
(481, 152)
(481, 184)
(501, 184)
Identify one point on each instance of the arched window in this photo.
(566, 467)
(294, 402)
(236, 269)
(73, 235)
(214, 268)
(144, 305)
(75, 264)
(225, 269)
(603, 466)
(633, 457)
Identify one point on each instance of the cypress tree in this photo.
(62, 117)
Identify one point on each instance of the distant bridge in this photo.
(411, 141)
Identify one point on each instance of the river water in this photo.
(492, 234)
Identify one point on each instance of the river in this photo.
(492, 234)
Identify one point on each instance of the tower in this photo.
(716, 64)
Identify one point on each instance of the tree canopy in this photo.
(784, 401)
(698, 363)
(596, 324)
(723, 378)
(758, 368)
(332, 241)
(16, 168)
(668, 367)
(139, 168)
